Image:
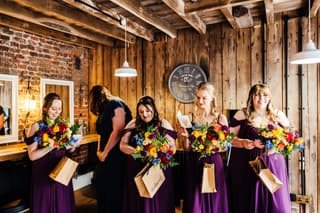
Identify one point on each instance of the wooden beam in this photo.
(74, 16)
(46, 32)
(132, 26)
(13, 10)
(227, 12)
(315, 7)
(146, 16)
(269, 11)
(209, 5)
(193, 19)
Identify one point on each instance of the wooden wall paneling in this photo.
(243, 67)
(123, 81)
(150, 69)
(178, 61)
(190, 43)
(256, 53)
(215, 63)
(132, 81)
(229, 67)
(318, 122)
(100, 65)
(170, 103)
(159, 74)
(107, 71)
(293, 107)
(310, 134)
(274, 62)
(115, 61)
(140, 66)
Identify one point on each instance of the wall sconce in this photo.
(30, 100)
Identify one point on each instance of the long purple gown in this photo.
(162, 201)
(194, 200)
(247, 194)
(47, 195)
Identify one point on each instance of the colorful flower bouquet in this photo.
(61, 132)
(208, 140)
(154, 148)
(281, 140)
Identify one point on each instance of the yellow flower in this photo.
(221, 135)
(201, 146)
(146, 134)
(214, 142)
(153, 152)
(146, 141)
(290, 147)
(196, 133)
(56, 128)
(139, 148)
(45, 137)
(299, 141)
(277, 131)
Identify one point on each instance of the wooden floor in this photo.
(86, 202)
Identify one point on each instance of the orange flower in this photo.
(217, 128)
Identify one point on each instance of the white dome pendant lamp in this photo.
(310, 55)
(125, 70)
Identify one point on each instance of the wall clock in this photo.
(183, 81)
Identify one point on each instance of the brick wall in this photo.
(31, 57)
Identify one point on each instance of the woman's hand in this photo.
(102, 156)
(182, 132)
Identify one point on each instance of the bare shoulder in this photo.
(240, 115)
(222, 119)
(131, 124)
(33, 128)
(166, 124)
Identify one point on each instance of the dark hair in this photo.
(98, 97)
(48, 100)
(2, 111)
(155, 122)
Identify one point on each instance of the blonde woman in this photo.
(247, 193)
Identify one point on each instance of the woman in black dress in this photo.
(113, 115)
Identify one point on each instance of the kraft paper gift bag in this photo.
(149, 180)
(208, 184)
(64, 170)
(266, 176)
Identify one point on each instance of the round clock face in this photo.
(183, 81)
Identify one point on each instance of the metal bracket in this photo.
(302, 199)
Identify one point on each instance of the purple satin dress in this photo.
(247, 194)
(194, 200)
(48, 195)
(162, 201)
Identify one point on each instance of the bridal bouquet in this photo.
(60, 132)
(153, 147)
(281, 140)
(208, 140)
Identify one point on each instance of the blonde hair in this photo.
(210, 89)
(255, 89)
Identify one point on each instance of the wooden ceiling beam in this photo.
(14, 10)
(146, 16)
(50, 33)
(132, 26)
(227, 12)
(193, 19)
(209, 5)
(315, 7)
(74, 16)
(269, 11)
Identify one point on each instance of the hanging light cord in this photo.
(125, 39)
(309, 22)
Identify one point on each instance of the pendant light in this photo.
(310, 55)
(125, 70)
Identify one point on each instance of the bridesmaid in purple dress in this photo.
(163, 200)
(48, 195)
(194, 200)
(247, 193)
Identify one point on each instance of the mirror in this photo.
(8, 102)
(65, 90)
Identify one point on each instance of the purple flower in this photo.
(270, 126)
(153, 136)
